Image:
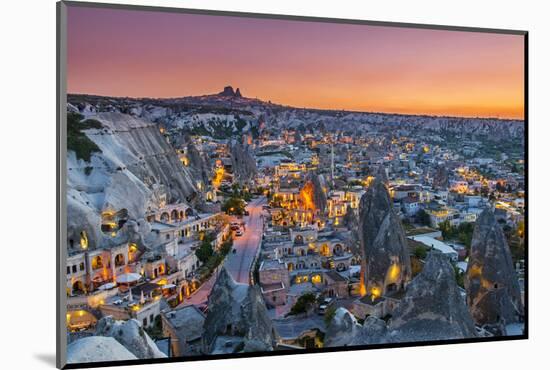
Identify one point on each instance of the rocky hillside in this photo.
(126, 165)
(229, 113)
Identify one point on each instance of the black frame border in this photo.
(61, 69)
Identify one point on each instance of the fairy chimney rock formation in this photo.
(238, 311)
(432, 308)
(243, 162)
(386, 265)
(492, 287)
(313, 193)
(441, 178)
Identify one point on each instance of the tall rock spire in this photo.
(386, 263)
(492, 287)
(237, 310)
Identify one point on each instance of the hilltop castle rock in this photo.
(386, 263)
(493, 291)
(229, 92)
(238, 311)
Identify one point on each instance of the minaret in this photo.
(332, 163)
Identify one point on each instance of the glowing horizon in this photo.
(129, 53)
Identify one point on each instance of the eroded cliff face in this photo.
(136, 171)
(385, 256)
(493, 291)
(237, 310)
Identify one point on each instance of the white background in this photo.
(27, 199)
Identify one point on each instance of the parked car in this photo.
(246, 213)
(239, 232)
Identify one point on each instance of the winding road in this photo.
(238, 264)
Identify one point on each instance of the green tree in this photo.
(459, 276)
(446, 229)
(234, 206)
(423, 218)
(303, 304)
(205, 251)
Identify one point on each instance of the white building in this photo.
(437, 244)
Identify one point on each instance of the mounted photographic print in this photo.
(237, 185)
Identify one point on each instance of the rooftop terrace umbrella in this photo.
(107, 286)
(128, 278)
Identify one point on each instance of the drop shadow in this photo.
(46, 358)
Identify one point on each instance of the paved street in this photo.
(238, 264)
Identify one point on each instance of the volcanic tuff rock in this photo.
(431, 309)
(228, 91)
(441, 177)
(135, 169)
(342, 329)
(95, 349)
(236, 309)
(197, 164)
(243, 162)
(492, 287)
(383, 243)
(315, 186)
(382, 174)
(130, 334)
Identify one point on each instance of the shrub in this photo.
(303, 303)
(420, 252)
(77, 141)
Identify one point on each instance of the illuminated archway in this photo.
(78, 287)
(97, 262)
(119, 260)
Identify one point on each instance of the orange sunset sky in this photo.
(302, 64)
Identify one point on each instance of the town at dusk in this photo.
(248, 185)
